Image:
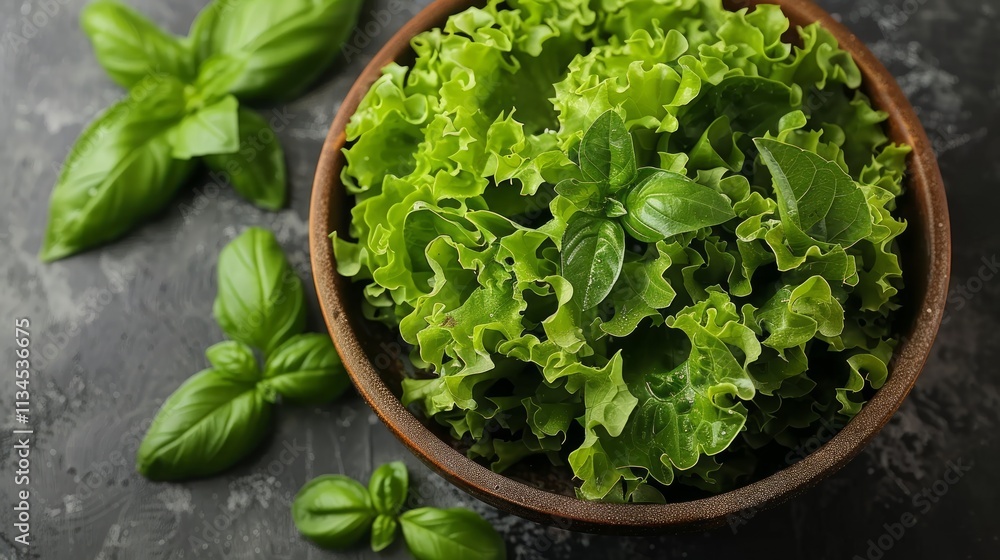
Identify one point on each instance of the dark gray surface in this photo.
(129, 322)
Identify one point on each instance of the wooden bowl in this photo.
(373, 361)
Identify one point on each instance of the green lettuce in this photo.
(642, 238)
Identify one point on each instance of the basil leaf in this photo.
(593, 250)
(208, 425)
(333, 511)
(201, 31)
(663, 204)
(215, 76)
(306, 370)
(260, 301)
(588, 197)
(383, 532)
(282, 47)
(119, 172)
(234, 358)
(388, 486)
(130, 47)
(439, 534)
(606, 154)
(257, 169)
(213, 129)
(816, 195)
(614, 208)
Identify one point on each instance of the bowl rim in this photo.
(926, 188)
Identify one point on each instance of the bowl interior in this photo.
(375, 355)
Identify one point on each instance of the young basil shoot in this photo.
(336, 512)
(183, 105)
(220, 415)
(618, 197)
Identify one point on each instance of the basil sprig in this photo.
(220, 415)
(335, 512)
(183, 104)
(617, 197)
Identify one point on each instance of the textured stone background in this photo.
(129, 322)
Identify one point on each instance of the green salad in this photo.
(652, 240)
